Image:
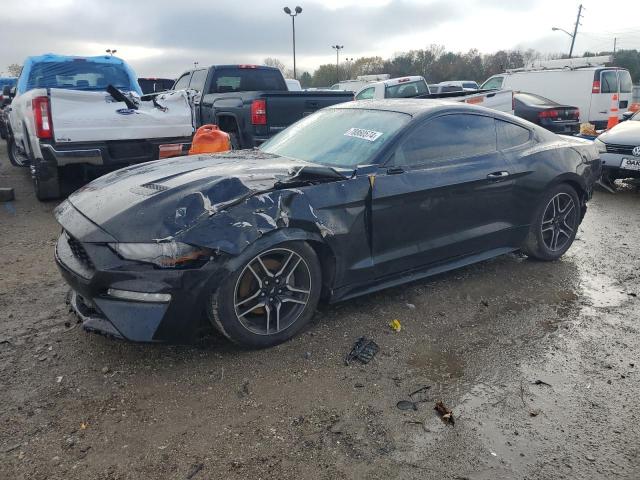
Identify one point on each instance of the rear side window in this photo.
(183, 82)
(511, 135)
(473, 85)
(609, 82)
(247, 80)
(626, 86)
(366, 94)
(446, 138)
(406, 90)
(493, 83)
(197, 80)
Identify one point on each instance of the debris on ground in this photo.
(420, 390)
(6, 194)
(534, 413)
(194, 470)
(395, 325)
(363, 350)
(540, 382)
(407, 405)
(445, 413)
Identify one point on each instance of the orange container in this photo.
(210, 139)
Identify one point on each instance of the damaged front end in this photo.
(143, 247)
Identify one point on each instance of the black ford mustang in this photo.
(352, 199)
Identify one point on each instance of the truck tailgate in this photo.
(283, 109)
(81, 116)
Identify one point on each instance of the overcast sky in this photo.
(163, 38)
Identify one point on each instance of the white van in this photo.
(579, 83)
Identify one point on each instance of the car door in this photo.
(445, 193)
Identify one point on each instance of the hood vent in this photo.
(149, 189)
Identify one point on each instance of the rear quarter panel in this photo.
(543, 164)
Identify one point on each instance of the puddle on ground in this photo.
(440, 365)
(601, 291)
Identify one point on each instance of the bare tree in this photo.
(14, 70)
(274, 62)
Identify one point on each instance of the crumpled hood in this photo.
(625, 133)
(158, 200)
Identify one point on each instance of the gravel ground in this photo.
(80, 406)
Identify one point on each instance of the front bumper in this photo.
(613, 162)
(91, 269)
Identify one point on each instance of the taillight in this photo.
(42, 117)
(259, 112)
(548, 114)
(596, 86)
(576, 113)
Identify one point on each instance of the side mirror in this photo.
(6, 91)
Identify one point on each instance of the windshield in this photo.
(406, 90)
(79, 75)
(338, 137)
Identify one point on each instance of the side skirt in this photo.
(348, 292)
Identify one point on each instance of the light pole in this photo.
(293, 16)
(575, 30)
(111, 51)
(337, 48)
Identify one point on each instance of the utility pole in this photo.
(337, 49)
(575, 30)
(615, 43)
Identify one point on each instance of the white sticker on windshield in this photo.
(369, 135)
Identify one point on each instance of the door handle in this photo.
(395, 170)
(497, 175)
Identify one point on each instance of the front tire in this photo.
(555, 224)
(270, 298)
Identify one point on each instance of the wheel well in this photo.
(582, 195)
(228, 124)
(327, 264)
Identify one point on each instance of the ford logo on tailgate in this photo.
(636, 151)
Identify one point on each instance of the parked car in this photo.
(579, 82)
(72, 116)
(360, 82)
(349, 200)
(547, 113)
(416, 87)
(155, 85)
(620, 150)
(249, 102)
(462, 84)
(6, 84)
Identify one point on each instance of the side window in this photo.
(511, 135)
(183, 82)
(365, 94)
(446, 138)
(198, 79)
(609, 81)
(493, 83)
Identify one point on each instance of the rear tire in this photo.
(269, 298)
(15, 157)
(555, 224)
(233, 139)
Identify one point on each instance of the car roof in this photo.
(410, 106)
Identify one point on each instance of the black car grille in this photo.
(620, 149)
(79, 252)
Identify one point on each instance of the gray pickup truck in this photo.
(250, 102)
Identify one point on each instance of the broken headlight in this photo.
(600, 145)
(163, 254)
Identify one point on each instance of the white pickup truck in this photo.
(76, 117)
(417, 87)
